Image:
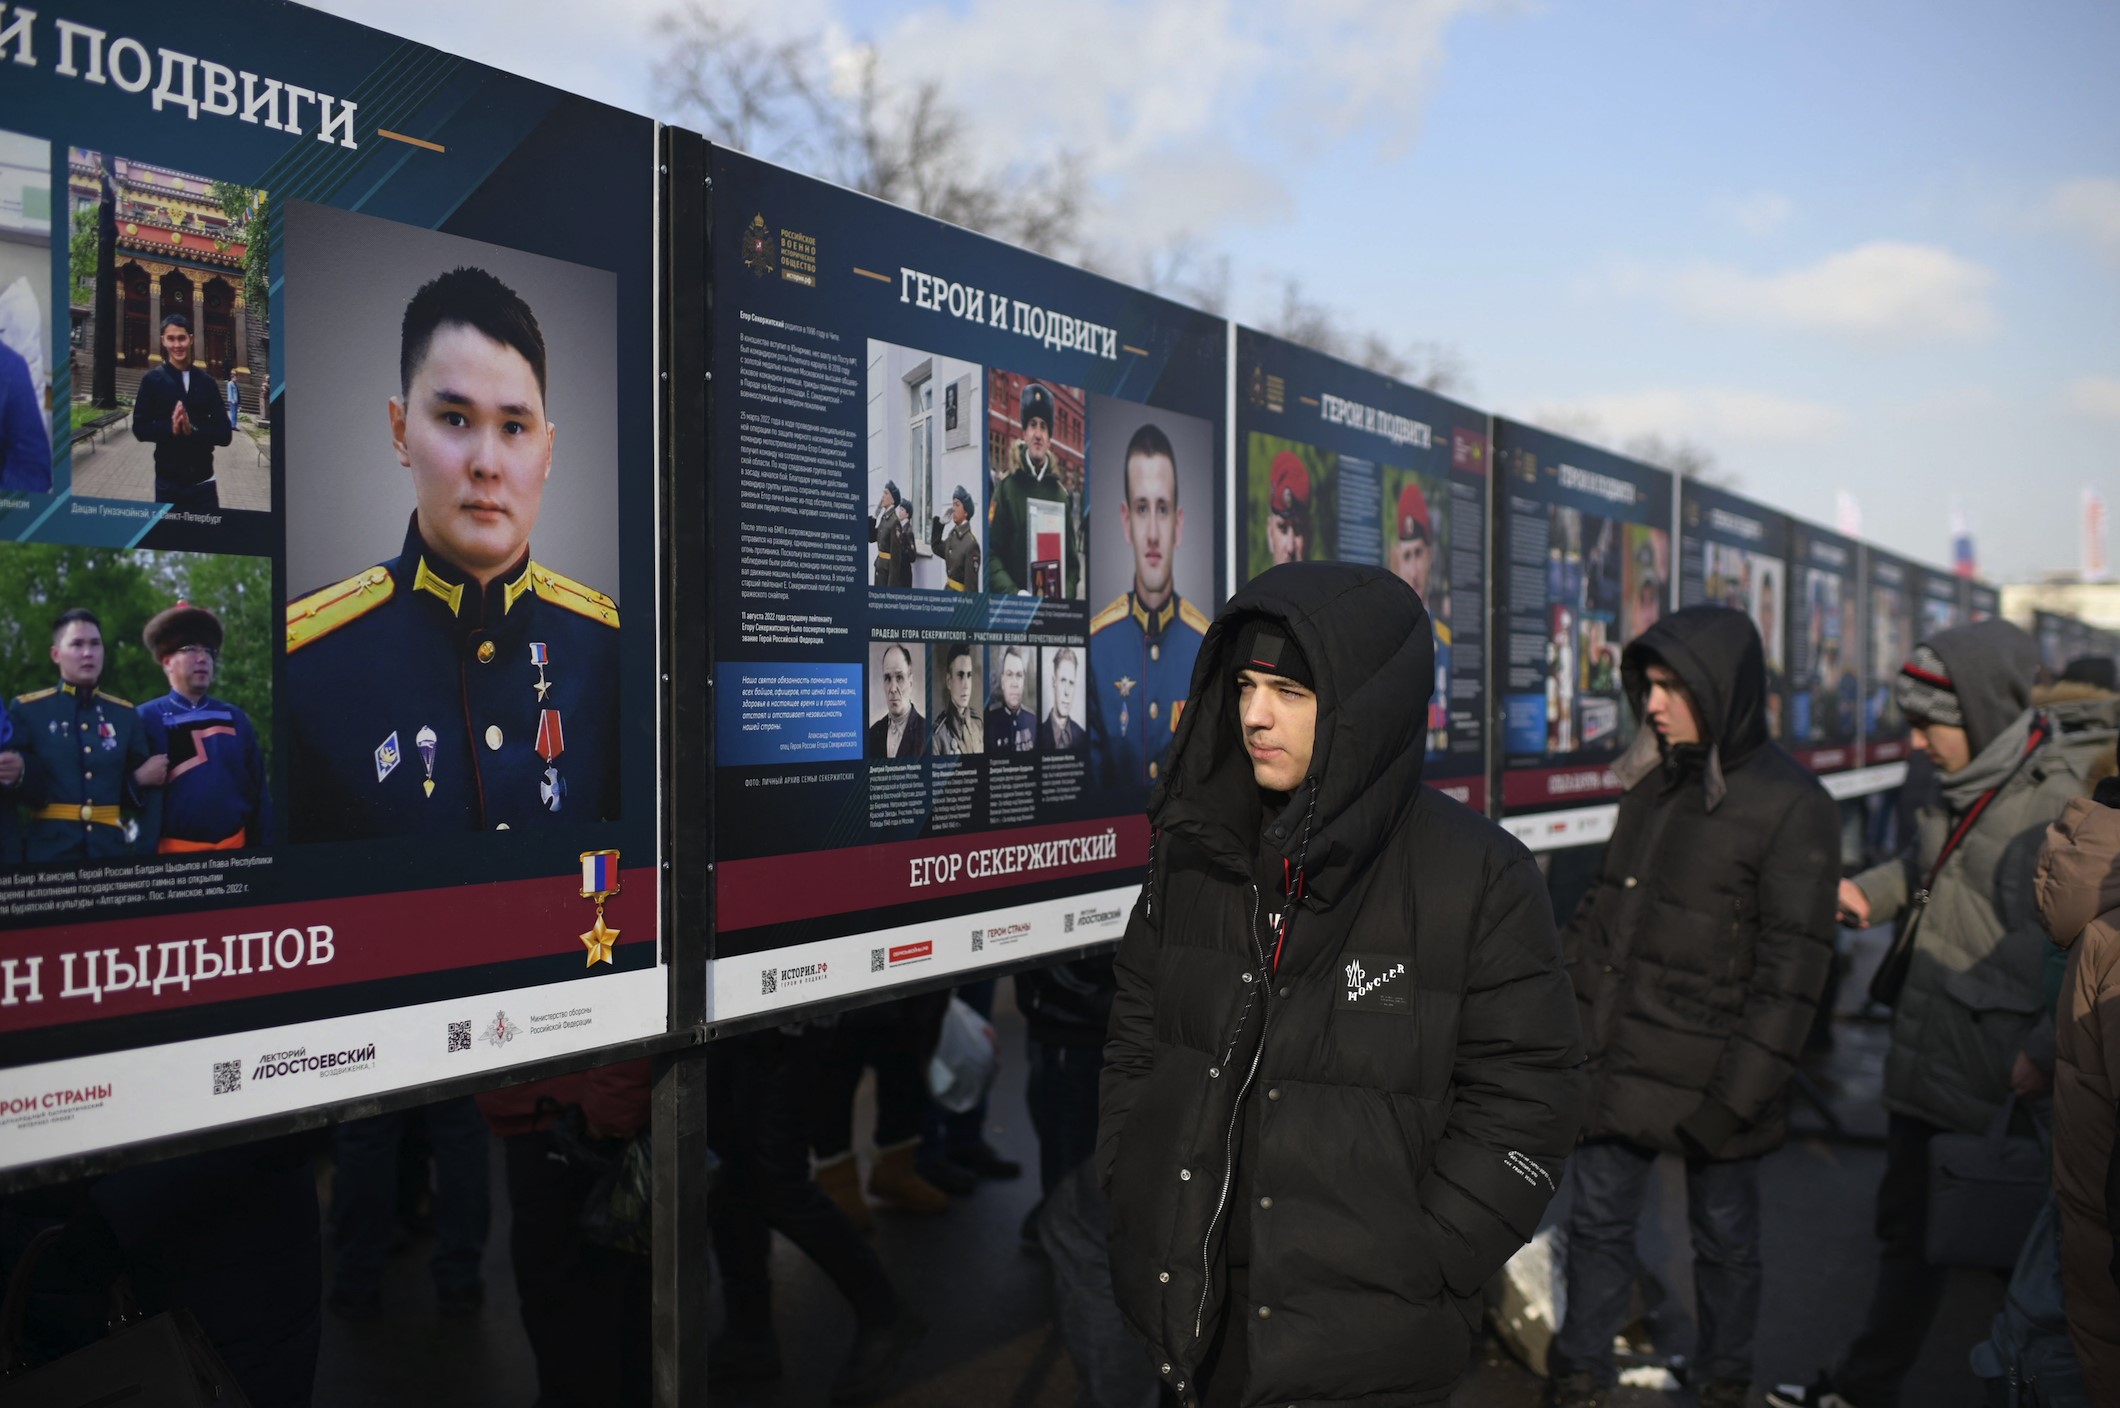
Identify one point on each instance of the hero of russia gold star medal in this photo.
(599, 883)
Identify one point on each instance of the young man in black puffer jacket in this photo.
(1698, 958)
(1344, 1060)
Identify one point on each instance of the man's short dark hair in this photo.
(71, 616)
(469, 297)
(1151, 441)
(886, 656)
(959, 651)
(175, 320)
(1015, 650)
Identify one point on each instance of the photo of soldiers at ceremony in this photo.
(139, 704)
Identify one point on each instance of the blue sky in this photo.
(1870, 246)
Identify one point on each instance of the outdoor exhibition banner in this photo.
(966, 531)
(1734, 552)
(1825, 649)
(1982, 601)
(1941, 601)
(1889, 586)
(1583, 565)
(328, 627)
(1338, 462)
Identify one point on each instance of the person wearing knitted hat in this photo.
(1971, 1024)
(957, 545)
(1288, 509)
(1016, 565)
(216, 798)
(1345, 1064)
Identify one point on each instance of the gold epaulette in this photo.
(1118, 611)
(311, 618)
(121, 703)
(1192, 616)
(34, 696)
(565, 591)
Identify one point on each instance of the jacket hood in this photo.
(2079, 869)
(1367, 638)
(1716, 653)
(1993, 666)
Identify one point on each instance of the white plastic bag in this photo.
(966, 1059)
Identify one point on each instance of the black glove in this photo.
(2107, 793)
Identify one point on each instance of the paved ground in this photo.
(992, 1344)
(124, 468)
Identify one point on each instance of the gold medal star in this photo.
(541, 686)
(598, 941)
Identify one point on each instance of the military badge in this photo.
(599, 882)
(540, 657)
(424, 741)
(551, 742)
(1125, 686)
(387, 757)
(758, 242)
(109, 734)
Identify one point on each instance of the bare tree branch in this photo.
(1434, 366)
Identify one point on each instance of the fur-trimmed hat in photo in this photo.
(964, 496)
(1038, 402)
(168, 632)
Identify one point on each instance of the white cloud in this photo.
(2095, 397)
(1714, 415)
(1758, 214)
(2090, 209)
(1886, 291)
(1165, 98)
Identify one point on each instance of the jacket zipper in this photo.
(1229, 1141)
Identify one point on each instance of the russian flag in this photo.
(1961, 542)
(600, 873)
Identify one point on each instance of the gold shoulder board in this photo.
(311, 618)
(565, 591)
(121, 703)
(1117, 611)
(34, 697)
(1192, 616)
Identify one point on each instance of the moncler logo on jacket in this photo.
(1371, 991)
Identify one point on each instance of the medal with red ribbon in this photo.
(551, 742)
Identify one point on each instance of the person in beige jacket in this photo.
(2078, 890)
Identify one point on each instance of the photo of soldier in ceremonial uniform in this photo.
(461, 684)
(1011, 719)
(959, 724)
(1155, 583)
(132, 680)
(1417, 550)
(926, 481)
(898, 724)
(1290, 502)
(1037, 432)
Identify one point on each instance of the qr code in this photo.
(1067, 923)
(227, 1077)
(767, 983)
(460, 1036)
(875, 960)
(978, 940)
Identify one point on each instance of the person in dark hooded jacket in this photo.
(1698, 958)
(1344, 1064)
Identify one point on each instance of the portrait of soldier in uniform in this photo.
(1414, 549)
(893, 538)
(1142, 645)
(1288, 509)
(1010, 726)
(215, 798)
(77, 761)
(1061, 730)
(960, 726)
(460, 685)
(1034, 532)
(898, 732)
(957, 545)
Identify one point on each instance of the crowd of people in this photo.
(1345, 1063)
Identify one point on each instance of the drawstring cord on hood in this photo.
(1294, 883)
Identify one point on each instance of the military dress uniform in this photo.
(10, 818)
(1011, 730)
(958, 547)
(1140, 670)
(1008, 568)
(80, 748)
(216, 797)
(418, 704)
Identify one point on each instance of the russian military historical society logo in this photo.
(759, 253)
